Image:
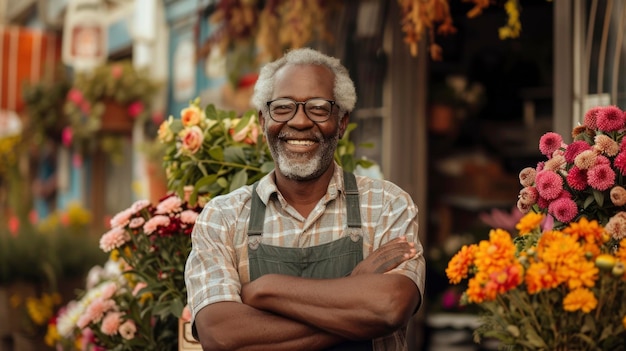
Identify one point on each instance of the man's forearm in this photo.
(236, 326)
(357, 307)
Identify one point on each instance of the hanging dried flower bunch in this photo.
(237, 19)
(292, 24)
(430, 16)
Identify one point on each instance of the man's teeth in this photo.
(300, 142)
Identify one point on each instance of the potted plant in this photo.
(107, 100)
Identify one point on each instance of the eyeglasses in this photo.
(317, 110)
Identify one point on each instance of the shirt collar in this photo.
(267, 185)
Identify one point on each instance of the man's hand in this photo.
(386, 257)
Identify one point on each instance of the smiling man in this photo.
(311, 257)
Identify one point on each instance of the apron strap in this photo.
(352, 200)
(257, 213)
(257, 207)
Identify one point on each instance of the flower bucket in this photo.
(186, 342)
(115, 118)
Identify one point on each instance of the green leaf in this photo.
(216, 153)
(235, 154)
(239, 179)
(599, 197)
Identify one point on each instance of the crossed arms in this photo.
(282, 312)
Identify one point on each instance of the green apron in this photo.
(331, 260)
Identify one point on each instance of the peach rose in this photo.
(191, 116)
(192, 139)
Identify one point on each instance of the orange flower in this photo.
(580, 299)
(458, 266)
(591, 231)
(495, 254)
(539, 277)
(529, 222)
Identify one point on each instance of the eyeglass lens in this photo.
(318, 110)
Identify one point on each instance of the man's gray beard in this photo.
(305, 167)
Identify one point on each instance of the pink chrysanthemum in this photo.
(617, 226)
(585, 159)
(169, 205)
(527, 176)
(543, 203)
(601, 177)
(136, 222)
(618, 196)
(188, 216)
(111, 322)
(610, 119)
(549, 184)
(540, 166)
(574, 149)
(606, 145)
(122, 218)
(113, 239)
(620, 162)
(139, 205)
(153, 223)
(549, 143)
(522, 207)
(563, 209)
(591, 117)
(602, 160)
(528, 195)
(577, 178)
(555, 163)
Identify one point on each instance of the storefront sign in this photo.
(85, 34)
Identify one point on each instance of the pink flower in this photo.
(528, 195)
(577, 178)
(128, 329)
(75, 96)
(139, 205)
(135, 109)
(138, 287)
(67, 136)
(153, 223)
(117, 71)
(585, 159)
(95, 311)
(549, 184)
(574, 149)
(549, 143)
(192, 138)
(620, 162)
(618, 196)
(606, 145)
(122, 218)
(523, 207)
(169, 205)
(617, 226)
(601, 177)
(563, 209)
(113, 239)
(591, 117)
(527, 176)
(610, 119)
(111, 322)
(108, 290)
(136, 222)
(188, 216)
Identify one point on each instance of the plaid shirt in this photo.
(218, 263)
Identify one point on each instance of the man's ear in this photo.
(343, 125)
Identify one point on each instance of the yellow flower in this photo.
(529, 222)
(52, 335)
(605, 261)
(580, 299)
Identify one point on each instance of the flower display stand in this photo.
(115, 118)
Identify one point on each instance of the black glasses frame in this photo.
(303, 103)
